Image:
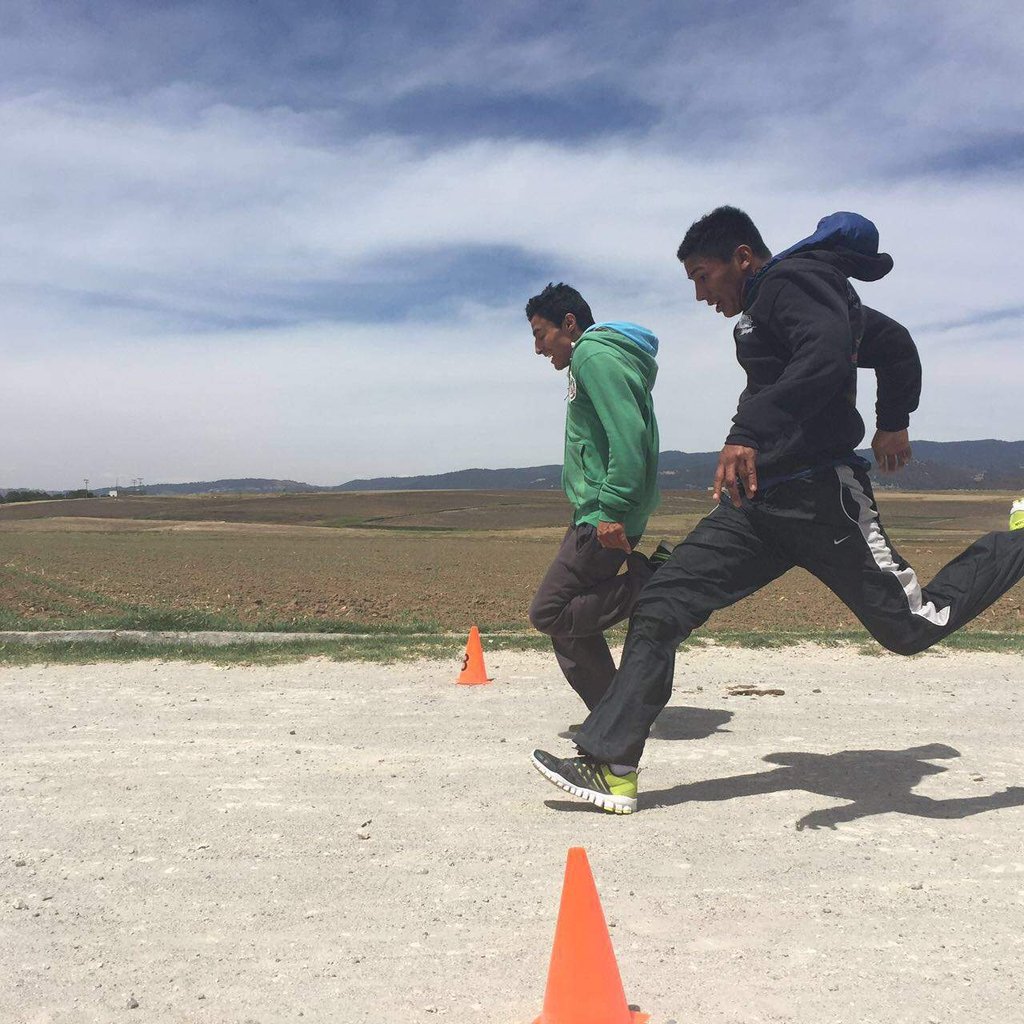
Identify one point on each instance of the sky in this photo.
(295, 239)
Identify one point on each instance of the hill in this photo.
(247, 485)
(937, 466)
(532, 478)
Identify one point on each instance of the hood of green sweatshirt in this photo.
(637, 344)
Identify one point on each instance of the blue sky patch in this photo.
(449, 112)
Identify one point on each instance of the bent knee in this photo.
(906, 646)
(542, 619)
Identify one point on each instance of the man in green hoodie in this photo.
(610, 476)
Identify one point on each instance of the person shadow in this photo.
(682, 723)
(873, 781)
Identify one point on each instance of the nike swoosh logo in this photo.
(841, 539)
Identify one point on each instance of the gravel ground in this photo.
(368, 843)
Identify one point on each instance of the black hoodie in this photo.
(801, 337)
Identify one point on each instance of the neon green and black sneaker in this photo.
(1017, 515)
(589, 780)
(660, 554)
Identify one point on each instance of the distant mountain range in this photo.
(937, 466)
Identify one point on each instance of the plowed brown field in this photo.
(443, 557)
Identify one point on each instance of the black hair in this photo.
(555, 301)
(720, 233)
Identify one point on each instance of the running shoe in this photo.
(590, 780)
(1017, 515)
(660, 555)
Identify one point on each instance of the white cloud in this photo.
(124, 218)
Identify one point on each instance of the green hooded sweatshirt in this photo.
(610, 472)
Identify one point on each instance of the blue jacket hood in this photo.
(640, 336)
(846, 241)
(838, 230)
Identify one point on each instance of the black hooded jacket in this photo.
(801, 338)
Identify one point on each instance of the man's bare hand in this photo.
(892, 449)
(736, 465)
(613, 535)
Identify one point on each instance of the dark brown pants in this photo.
(581, 595)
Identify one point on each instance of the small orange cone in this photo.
(473, 671)
(584, 986)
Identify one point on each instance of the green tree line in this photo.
(26, 494)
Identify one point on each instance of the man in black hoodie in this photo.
(791, 491)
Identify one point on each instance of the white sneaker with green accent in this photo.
(1017, 515)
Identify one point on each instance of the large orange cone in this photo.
(473, 672)
(584, 986)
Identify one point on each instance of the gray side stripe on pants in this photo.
(867, 522)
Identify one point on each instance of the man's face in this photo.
(554, 341)
(719, 283)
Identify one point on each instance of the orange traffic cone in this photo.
(584, 986)
(473, 672)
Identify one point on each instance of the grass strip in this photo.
(397, 647)
(143, 617)
(382, 649)
(979, 641)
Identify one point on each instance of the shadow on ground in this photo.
(873, 781)
(681, 723)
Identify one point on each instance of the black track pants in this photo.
(829, 525)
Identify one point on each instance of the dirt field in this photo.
(356, 844)
(445, 558)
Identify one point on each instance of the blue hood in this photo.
(838, 231)
(640, 336)
(847, 241)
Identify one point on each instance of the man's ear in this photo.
(569, 322)
(744, 257)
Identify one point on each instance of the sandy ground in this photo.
(350, 843)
